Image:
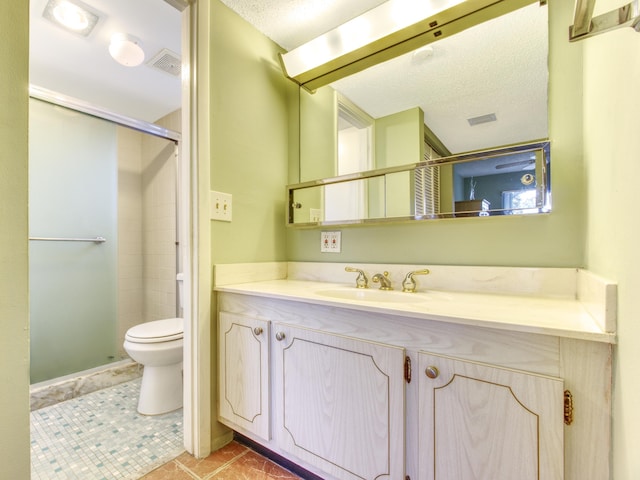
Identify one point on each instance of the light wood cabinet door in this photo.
(479, 422)
(244, 373)
(340, 403)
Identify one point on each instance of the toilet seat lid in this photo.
(156, 331)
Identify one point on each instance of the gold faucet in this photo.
(409, 284)
(361, 280)
(383, 278)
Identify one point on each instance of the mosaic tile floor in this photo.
(232, 462)
(100, 436)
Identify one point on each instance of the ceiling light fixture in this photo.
(126, 49)
(393, 28)
(72, 16)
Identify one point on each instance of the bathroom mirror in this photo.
(477, 90)
(513, 180)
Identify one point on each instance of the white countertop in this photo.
(561, 317)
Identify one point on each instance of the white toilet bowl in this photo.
(157, 346)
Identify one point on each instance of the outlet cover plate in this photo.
(220, 207)
(315, 215)
(330, 242)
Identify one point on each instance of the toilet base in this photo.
(161, 389)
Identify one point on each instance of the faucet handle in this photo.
(361, 280)
(409, 284)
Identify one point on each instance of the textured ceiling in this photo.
(497, 67)
(290, 23)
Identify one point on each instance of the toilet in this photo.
(158, 346)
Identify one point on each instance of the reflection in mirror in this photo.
(508, 181)
(480, 89)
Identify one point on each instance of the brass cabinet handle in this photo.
(280, 336)
(432, 372)
(257, 331)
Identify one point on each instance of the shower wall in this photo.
(146, 227)
(159, 190)
(130, 276)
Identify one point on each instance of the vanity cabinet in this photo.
(478, 421)
(340, 403)
(325, 387)
(244, 372)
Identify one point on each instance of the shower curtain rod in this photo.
(61, 239)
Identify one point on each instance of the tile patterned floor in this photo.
(100, 436)
(232, 462)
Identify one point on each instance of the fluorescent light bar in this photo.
(391, 29)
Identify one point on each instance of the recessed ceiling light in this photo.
(71, 16)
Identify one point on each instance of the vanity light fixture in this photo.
(393, 28)
(126, 49)
(72, 16)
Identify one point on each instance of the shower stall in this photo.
(103, 234)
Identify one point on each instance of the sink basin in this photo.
(370, 295)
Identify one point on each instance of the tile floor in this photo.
(100, 436)
(232, 462)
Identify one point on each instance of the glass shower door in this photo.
(73, 284)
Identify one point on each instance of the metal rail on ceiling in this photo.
(585, 25)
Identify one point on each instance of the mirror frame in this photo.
(543, 185)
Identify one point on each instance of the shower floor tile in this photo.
(101, 436)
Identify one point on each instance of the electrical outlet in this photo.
(220, 207)
(330, 242)
(315, 215)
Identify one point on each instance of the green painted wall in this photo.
(399, 138)
(249, 139)
(318, 134)
(398, 141)
(612, 151)
(245, 113)
(543, 240)
(14, 256)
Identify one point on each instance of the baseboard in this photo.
(274, 457)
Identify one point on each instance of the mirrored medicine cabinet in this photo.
(513, 180)
(454, 129)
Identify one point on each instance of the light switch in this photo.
(220, 206)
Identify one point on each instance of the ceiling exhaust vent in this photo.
(167, 61)
(490, 117)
